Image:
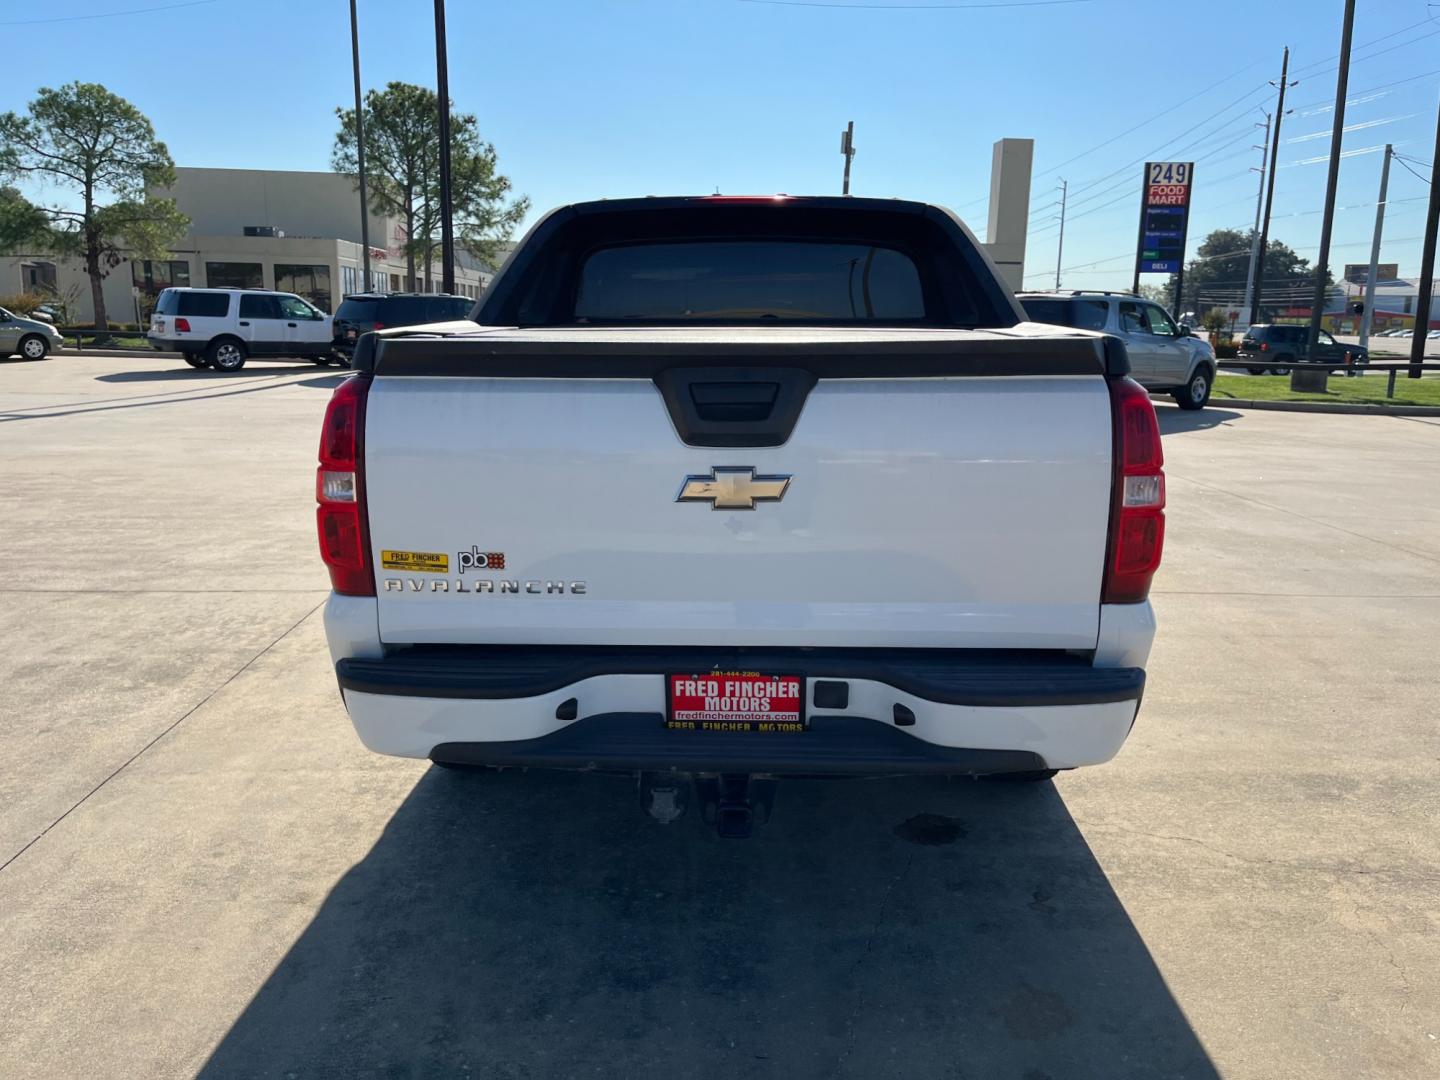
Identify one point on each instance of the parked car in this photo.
(222, 328)
(31, 338)
(1163, 356)
(724, 489)
(359, 313)
(1280, 345)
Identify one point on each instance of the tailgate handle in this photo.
(732, 401)
(735, 406)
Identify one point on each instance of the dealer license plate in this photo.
(735, 701)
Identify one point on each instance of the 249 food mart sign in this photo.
(1164, 216)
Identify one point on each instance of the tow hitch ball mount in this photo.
(735, 803)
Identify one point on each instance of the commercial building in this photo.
(249, 228)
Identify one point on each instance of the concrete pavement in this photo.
(202, 872)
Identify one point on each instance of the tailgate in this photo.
(914, 489)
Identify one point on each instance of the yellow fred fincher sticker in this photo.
(429, 562)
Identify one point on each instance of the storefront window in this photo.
(311, 282)
(234, 275)
(152, 275)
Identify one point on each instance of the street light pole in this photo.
(360, 150)
(1270, 189)
(1298, 377)
(442, 89)
(1367, 316)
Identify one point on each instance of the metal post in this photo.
(1427, 264)
(1255, 232)
(1327, 222)
(847, 147)
(1140, 235)
(442, 89)
(360, 149)
(1179, 289)
(1270, 189)
(1060, 249)
(1367, 316)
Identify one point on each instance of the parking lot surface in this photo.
(205, 873)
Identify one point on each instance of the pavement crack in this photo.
(1389, 955)
(185, 716)
(864, 954)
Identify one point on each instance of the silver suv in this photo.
(1163, 356)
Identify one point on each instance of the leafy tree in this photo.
(21, 224)
(402, 166)
(1216, 276)
(1160, 294)
(103, 149)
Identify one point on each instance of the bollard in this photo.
(1390, 384)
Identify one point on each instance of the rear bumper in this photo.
(603, 708)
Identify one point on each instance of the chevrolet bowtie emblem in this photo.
(730, 487)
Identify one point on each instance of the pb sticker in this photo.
(428, 562)
(475, 559)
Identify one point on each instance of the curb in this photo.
(70, 352)
(1327, 407)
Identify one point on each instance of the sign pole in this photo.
(1427, 270)
(1140, 233)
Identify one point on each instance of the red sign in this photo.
(735, 701)
(1167, 194)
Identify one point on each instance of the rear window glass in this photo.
(749, 280)
(358, 310)
(1081, 314)
(204, 305)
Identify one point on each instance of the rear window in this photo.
(698, 262)
(414, 310)
(360, 311)
(780, 280)
(204, 305)
(1081, 314)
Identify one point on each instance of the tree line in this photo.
(102, 152)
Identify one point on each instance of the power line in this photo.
(1405, 164)
(108, 14)
(917, 7)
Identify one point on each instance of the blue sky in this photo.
(625, 97)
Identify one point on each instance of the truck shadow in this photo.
(1174, 419)
(520, 925)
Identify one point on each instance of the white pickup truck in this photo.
(722, 490)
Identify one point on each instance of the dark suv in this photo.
(362, 312)
(1279, 345)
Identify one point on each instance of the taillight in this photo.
(182, 326)
(379, 326)
(340, 490)
(1264, 346)
(1137, 500)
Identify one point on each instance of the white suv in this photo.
(1163, 356)
(221, 328)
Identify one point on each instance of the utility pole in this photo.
(1427, 264)
(1270, 188)
(360, 150)
(847, 147)
(442, 88)
(1060, 249)
(1255, 232)
(1322, 264)
(1368, 314)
